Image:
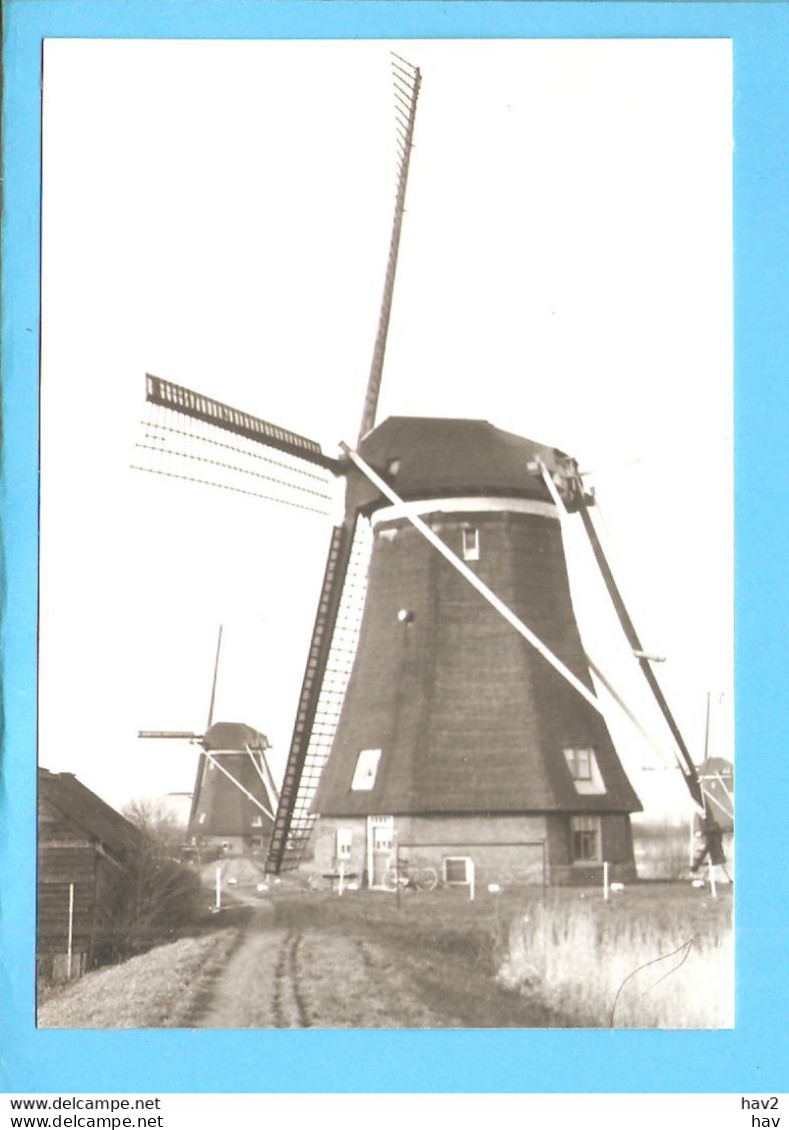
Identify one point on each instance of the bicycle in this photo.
(417, 878)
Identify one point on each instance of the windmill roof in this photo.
(234, 735)
(428, 457)
(716, 765)
(84, 808)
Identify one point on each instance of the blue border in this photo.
(751, 1059)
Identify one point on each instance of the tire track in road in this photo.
(259, 986)
(210, 975)
(283, 974)
(288, 1010)
(244, 993)
(356, 983)
(278, 1001)
(295, 971)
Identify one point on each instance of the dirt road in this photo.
(296, 969)
(284, 977)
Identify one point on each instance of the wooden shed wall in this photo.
(66, 856)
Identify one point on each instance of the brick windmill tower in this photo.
(447, 702)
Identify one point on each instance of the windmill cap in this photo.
(716, 767)
(234, 736)
(425, 457)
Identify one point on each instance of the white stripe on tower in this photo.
(474, 505)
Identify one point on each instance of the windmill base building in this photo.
(457, 741)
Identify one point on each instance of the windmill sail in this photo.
(686, 763)
(407, 81)
(332, 652)
(330, 660)
(189, 436)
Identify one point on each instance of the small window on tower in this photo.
(584, 770)
(579, 762)
(366, 769)
(344, 841)
(471, 545)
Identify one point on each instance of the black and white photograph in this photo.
(386, 535)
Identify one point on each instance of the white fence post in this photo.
(70, 949)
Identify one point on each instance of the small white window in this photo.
(257, 821)
(471, 545)
(366, 769)
(579, 762)
(584, 771)
(201, 818)
(344, 841)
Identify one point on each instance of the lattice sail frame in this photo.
(307, 756)
(313, 736)
(191, 437)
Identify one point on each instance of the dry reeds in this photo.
(604, 966)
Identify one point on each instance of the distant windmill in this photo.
(235, 799)
(447, 700)
(714, 823)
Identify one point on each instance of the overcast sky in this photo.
(218, 214)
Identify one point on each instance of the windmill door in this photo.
(380, 833)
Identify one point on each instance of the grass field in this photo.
(578, 956)
(157, 989)
(519, 958)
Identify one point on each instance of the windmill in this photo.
(449, 702)
(234, 799)
(713, 823)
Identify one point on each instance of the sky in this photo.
(218, 214)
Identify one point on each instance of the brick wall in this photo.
(505, 849)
